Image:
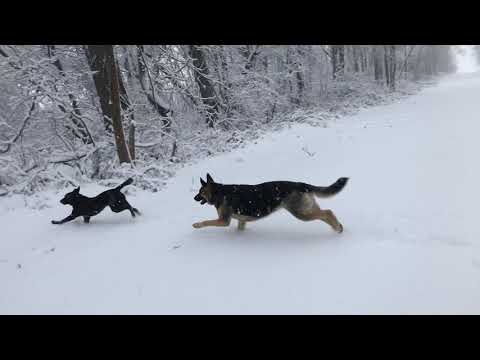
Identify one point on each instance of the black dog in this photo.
(88, 207)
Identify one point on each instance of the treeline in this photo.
(61, 104)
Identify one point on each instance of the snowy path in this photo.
(411, 243)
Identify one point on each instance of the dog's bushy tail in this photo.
(331, 190)
(125, 183)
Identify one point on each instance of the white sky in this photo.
(466, 59)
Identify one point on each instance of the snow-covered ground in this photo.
(411, 244)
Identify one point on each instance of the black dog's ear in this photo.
(209, 179)
(77, 190)
(202, 182)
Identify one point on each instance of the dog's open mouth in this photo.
(198, 197)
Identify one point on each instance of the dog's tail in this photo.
(125, 183)
(331, 190)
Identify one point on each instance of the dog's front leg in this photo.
(217, 222)
(68, 218)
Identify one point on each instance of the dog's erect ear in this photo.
(209, 179)
(77, 190)
(202, 182)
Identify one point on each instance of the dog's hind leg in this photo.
(132, 210)
(86, 219)
(305, 208)
(122, 206)
(329, 217)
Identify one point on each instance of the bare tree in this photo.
(102, 60)
(80, 129)
(207, 91)
(337, 60)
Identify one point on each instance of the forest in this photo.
(72, 114)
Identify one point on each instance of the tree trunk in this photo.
(393, 66)
(386, 65)
(107, 78)
(355, 53)
(131, 140)
(376, 63)
(107, 81)
(337, 60)
(207, 92)
(97, 58)
(122, 150)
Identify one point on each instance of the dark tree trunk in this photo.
(338, 60)
(300, 81)
(376, 63)
(393, 66)
(207, 92)
(108, 84)
(97, 59)
(122, 150)
(363, 59)
(386, 65)
(300, 86)
(390, 65)
(356, 55)
(131, 140)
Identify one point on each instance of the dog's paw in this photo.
(339, 228)
(197, 225)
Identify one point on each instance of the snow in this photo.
(410, 243)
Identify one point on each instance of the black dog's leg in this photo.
(120, 207)
(124, 205)
(86, 219)
(132, 209)
(68, 218)
(136, 211)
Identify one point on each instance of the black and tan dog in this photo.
(252, 202)
(88, 207)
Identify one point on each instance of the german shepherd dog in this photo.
(252, 202)
(88, 207)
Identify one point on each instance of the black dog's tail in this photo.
(331, 190)
(125, 183)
